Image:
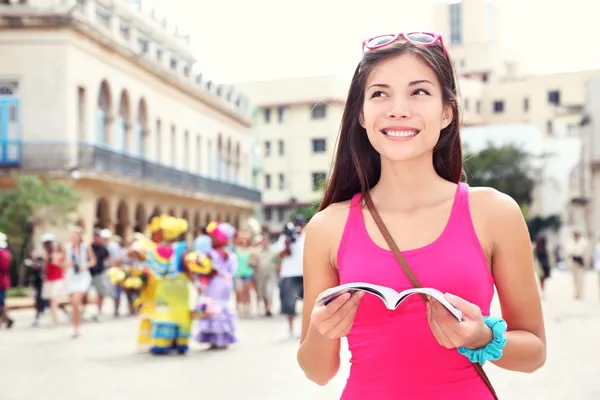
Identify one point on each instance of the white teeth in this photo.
(401, 133)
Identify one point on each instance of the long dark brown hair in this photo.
(357, 165)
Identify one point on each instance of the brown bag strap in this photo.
(411, 276)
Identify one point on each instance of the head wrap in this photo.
(173, 227)
(221, 232)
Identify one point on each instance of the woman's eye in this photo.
(378, 93)
(421, 92)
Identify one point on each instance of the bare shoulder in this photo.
(327, 226)
(493, 204)
(495, 216)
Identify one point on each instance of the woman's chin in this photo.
(402, 155)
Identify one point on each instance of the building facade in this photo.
(105, 97)
(493, 88)
(297, 126)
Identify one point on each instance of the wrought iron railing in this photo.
(63, 157)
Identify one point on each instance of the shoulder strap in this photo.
(411, 276)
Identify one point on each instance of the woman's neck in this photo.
(410, 184)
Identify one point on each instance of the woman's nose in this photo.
(399, 109)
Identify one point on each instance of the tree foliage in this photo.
(33, 201)
(506, 168)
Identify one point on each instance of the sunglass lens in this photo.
(380, 41)
(423, 38)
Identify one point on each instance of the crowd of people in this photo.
(179, 290)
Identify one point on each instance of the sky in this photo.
(241, 40)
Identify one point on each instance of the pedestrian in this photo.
(218, 327)
(597, 259)
(78, 261)
(100, 280)
(395, 213)
(578, 256)
(542, 257)
(5, 262)
(266, 261)
(53, 288)
(290, 246)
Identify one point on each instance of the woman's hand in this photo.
(335, 319)
(451, 333)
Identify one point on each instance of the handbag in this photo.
(411, 277)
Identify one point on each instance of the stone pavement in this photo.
(45, 363)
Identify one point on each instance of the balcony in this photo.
(61, 157)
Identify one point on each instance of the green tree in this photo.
(309, 210)
(506, 168)
(33, 201)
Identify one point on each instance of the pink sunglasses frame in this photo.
(437, 37)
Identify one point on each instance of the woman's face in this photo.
(75, 237)
(403, 112)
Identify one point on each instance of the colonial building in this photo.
(297, 125)
(104, 96)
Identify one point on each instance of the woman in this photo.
(244, 273)
(399, 150)
(79, 259)
(54, 282)
(218, 327)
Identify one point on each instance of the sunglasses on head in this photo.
(418, 38)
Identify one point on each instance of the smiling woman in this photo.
(399, 153)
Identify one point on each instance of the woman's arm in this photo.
(514, 275)
(318, 356)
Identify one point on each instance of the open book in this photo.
(389, 296)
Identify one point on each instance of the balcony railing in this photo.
(61, 157)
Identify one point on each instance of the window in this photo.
(554, 97)
(478, 107)
(498, 106)
(281, 181)
(456, 23)
(268, 213)
(267, 148)
(173, 63)
(318, 111)
(549, 128)
(281, 147)
(280, 114)
(318, 179)
(267, 181)
(267, 115)
(159, 55)
(319, 145)
(281, 214)
(466, 104)
(526, 104)
(144, 45)
(198, 154)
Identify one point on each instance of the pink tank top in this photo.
(394, 354)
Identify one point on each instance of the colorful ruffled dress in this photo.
(218, 328)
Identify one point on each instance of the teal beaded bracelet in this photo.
(493, 350)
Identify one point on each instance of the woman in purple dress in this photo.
(218, 325)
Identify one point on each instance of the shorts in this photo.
(101, 283)
(2, 298)
(265, 283)
(53, 290)
(291, 289)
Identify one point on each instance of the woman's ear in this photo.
(361, 120)
(447, 116)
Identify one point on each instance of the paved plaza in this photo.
(44, 363)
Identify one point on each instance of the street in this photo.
(44, 363)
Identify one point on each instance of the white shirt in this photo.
(292, 265)
(579, 248)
